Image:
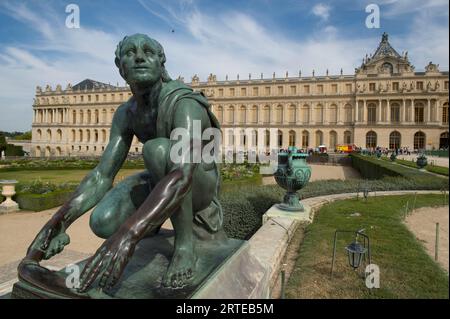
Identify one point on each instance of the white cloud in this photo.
(223, 43)
(322, 11)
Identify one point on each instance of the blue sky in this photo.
(220, 37)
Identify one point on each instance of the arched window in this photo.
(305, 114)
(73, 136)
(348, 113)
(443, 141)
(372, 113)
(266, 114)
(58, 135)
(279, 114)
(347, 137)
(280, 139)
(219, 113)
(39, 134)
(38, 151)
(267, 138)
(305, 139)
(103, 136)
(242, 138)
(395, 140)
(58, 151)
(97, 117)
(333, 139)
(291, 138)
(254, 114)
(395, 113)
(230, 138)
(230, 116)
(419, 141)
(291, 114)
(319, 113)
(80, 133)
(88, 136)
(319, 138)
(95, 136)
(49, 135)
(371, 139)
(333, 114)
(89, 117)
(242, 114)
(74, 117)
(254, 138)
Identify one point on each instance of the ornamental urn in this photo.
(421, 161)
(292, 174)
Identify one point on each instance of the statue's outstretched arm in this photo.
(52, 238)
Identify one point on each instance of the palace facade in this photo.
(384, 103)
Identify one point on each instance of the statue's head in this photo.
(140, 60)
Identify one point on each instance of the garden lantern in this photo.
(355, 252)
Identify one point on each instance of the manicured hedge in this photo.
(13, 150)
(373, 168)
(39, 202)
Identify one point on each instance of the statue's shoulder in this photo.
(173, 87)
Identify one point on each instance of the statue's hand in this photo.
(109, 260)
(49, 241)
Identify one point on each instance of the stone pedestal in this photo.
(143, 274)
(274, 212)
(8, 190)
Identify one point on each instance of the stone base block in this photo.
(9, 207)
(142, 276)
(274, 212)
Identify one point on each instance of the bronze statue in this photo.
(138, 206)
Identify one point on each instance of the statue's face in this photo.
(139, 62)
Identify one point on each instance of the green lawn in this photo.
(406, 269)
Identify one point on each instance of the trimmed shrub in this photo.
(39, 202)
(14, 150)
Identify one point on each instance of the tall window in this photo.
(394, 140)
(333, 113)
(267, 138)
(445, 114)
(319, 114)
(305, 114)
(419, 141)
(371, 139)
(280, 139)
(333, 140)
(347, 137)
(348, 113)
(291, 138)
(279, 114)
(266, 114)
(231, 114)
(319, 138)
(242, 114)
(372, 113)
(419, 113)
(395, 113)
(305, 139)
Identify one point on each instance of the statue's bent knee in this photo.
(157, 157)
(101, 222)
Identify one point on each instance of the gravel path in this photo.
(422, 222)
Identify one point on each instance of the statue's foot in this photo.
(181, 269)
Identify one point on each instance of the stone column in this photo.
(380, 111)
(413, 111)
(357, 111)
(403, 112)
(428, 120)
(365, 115)
(388, 111)
(325, 113)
